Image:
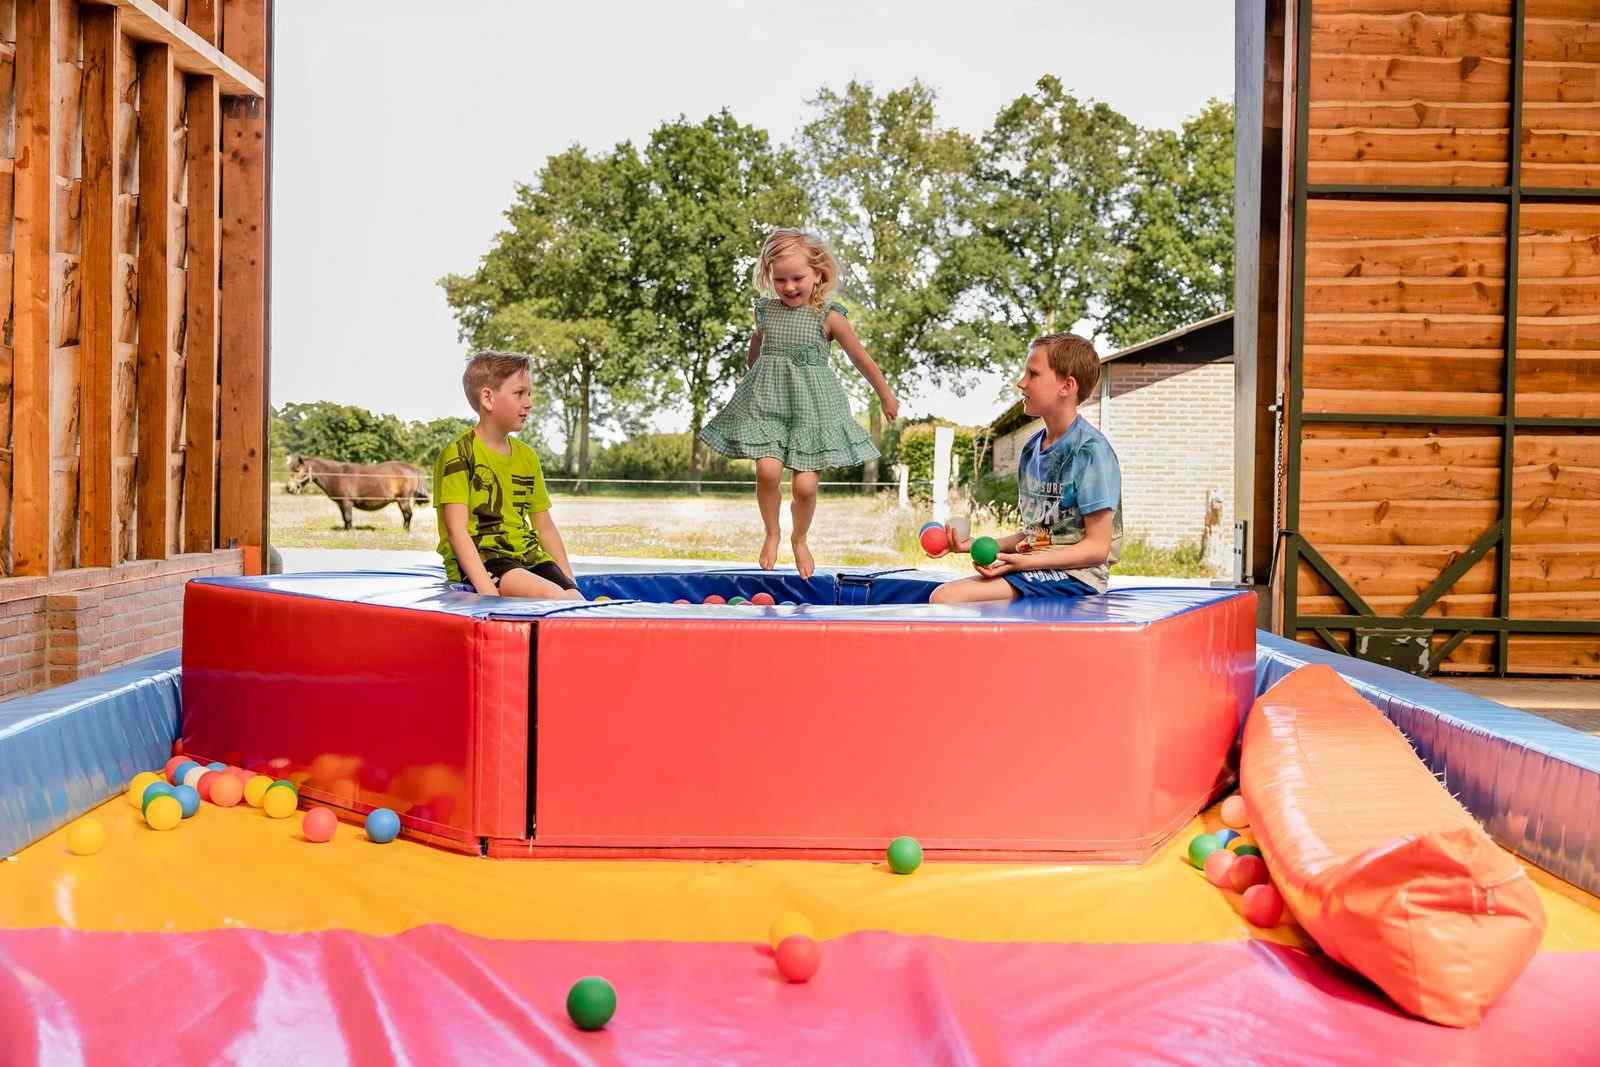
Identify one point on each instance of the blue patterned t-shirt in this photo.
(1078, 475)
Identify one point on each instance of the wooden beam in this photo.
(149, 20)
(156, 97)
(241, 518)
(244, 34)
(37, 39)
(200, 414)
(102, 162)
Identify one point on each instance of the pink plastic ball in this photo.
(1263, 905)
(319, 824)
(1247, 871)
(935, 541)
(1234, 814)
(172, 765)
(798, 958)
(1217, 867)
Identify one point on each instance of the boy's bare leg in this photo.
(519, 582)
(769, 496)
(974, 590)
(804, 487)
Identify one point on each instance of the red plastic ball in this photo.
(715, 598)
(207, 780)
(1219, 866)
(764, 599)
(319, 825)
(798, 958)
(1245, 872)
(1263, 905)
(935, 541)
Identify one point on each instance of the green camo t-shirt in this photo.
(502, 494)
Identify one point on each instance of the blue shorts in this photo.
(1049, 584)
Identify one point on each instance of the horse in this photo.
(368, 486)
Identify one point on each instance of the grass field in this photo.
(849, 530)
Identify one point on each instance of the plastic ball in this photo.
(681, 600)
(985, 550)
(1202, 846)
(188, 800)
(1233, 812)
(216, 765)
(86, 837)
(207, 780)
(1217, 867)
(153, 790)
(929, 525)
(383, 826)
(319, 825)
(715, 598)
(279, 803)
(170, 765)
(763, 599)
(163, 813)
(935, 542)
(192, 776)
(599, 599)
(735, 601)
(226, 791)
(178, 772)
(1263, 905)
(1246, 849)
(1225, 837)
(137, 786)
(1247, 871)
(905, 855)
(798, 958)
(591, 1002)
(787, 925)
(786, 604)
(255, 789)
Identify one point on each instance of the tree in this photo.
(341, 431)
(559, 284)
(1178, 232)
(712, 190)
(425, 440)
(1041, 242)
(887, 181)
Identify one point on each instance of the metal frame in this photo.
(1498, 536)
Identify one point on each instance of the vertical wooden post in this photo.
(37, 32)
(203, 19)
(156, 93)
(102, 163)
(200, 416)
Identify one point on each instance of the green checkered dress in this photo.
(790, 405)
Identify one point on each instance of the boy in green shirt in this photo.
(495, 529)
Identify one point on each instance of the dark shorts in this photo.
(1049, 584)
(547, 570)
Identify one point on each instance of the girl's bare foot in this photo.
(769, 551)
(802, 557)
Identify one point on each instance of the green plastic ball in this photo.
(1246, 850)
(735, 601)
(1202, 846)
(591, 1002)
(905, 855)
(985, 550)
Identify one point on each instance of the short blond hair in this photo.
(1073, 357)
(819, 257)
(488, 369)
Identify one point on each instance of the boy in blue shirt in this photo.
(1069, 490)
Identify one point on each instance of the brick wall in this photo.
(81, 622)
(1172, 427)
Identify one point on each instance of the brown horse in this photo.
(368, 486)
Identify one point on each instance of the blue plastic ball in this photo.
(182, 769)
(926, 527)
(216, 766)
(383, 825)
(153, 790)
(188, 799)
(1224, 836)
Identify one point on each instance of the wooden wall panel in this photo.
(101, 28)
(1558, 307)
(125, 297)
(1561, 112)
(202, 251)
(8, 141)
(177, 300)
(157, 99)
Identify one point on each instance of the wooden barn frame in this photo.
(1421, 431)
(133, 367)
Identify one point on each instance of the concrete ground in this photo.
(1570, 701)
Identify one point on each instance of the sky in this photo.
(400, 129)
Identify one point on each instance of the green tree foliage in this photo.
(1047, 189)
(1177, 234)
(711, 192)
(887, 182)
(352, 434)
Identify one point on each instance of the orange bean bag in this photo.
(1379, 864)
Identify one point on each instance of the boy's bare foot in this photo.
(769, 551)
(802, 557)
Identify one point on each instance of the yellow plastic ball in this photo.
(86, 837)
(279, 803)
(255, 789)
(787, 925)
(163, 813)
(140, 783)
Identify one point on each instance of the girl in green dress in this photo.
(790, 410)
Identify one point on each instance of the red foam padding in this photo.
(369, 706)
(1378, 863)
(1098, 741)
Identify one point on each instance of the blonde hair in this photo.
(488, 369)
(1071, 356)
(819, 258)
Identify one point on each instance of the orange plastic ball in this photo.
(1218, 867)
(798, 958)
(1234, 814)
(1263, 905)
(319, 825)
(226, 791)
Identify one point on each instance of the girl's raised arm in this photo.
(839, 329)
